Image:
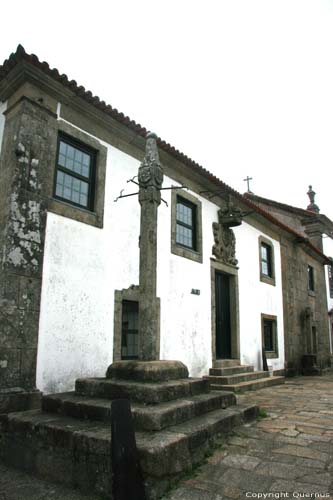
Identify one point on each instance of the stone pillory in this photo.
(150, 179)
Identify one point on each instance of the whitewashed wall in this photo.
(328, 250)
(256, 297)
(84, 265)
(185, 318)
(3, 107)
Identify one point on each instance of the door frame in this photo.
(232, 272)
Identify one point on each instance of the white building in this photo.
(80, 248)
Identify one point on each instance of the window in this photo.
(186, 226)
(266, 258)
(330, 280)
(311, 282)
(130, 330)
(269, 334)
(75, 173)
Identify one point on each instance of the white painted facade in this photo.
(3, 107)
(84, 265)
(256, 297)
(328, 250)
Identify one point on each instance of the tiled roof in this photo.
(21, 55)
(278, 204)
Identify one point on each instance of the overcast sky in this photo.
(242, 87)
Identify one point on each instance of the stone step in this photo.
(226, 363)
(77, 452)
(250, 386)
(146, 417)
(141, 392)
(231, 370)
(236, 378)
(18, 399)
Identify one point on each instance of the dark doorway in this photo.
(130, 329)
(223, 318)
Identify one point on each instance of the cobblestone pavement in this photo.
(16, 485)
(288, 454)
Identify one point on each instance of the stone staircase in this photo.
(176, 419)
(230, 375)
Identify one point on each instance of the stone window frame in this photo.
(67, 209)
(275, 352)
(269, 280)
(129, 294)
(89, 179)
(330, 279)
(311, 280)
(177, 249)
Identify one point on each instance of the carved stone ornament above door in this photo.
(224, 248)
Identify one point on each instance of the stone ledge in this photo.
(17, 399)
(146, 417)
(141, 392)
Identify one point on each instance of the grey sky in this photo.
(242, 87)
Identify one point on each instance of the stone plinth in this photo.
(176, 419)
(147, 371)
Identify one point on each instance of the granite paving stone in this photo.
(301, 451)
(290, 451)
(296, 486)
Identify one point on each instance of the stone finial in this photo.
(151, 148)
(313, 207)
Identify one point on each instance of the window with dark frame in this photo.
(186, 220)
(75, 173)
(330, 279)
(311, 282)
(266, 260)
(269, 330)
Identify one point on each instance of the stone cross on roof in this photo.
(248, 179)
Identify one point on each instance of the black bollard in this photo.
(127, 482)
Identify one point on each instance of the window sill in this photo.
(267, 280)
(271, 354)
(311, 293)
(187, 253)
(64, 209)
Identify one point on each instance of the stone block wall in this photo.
(303, 309)
(25, 164)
